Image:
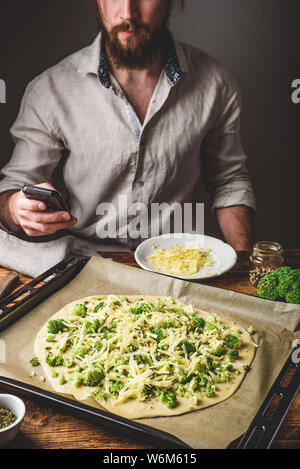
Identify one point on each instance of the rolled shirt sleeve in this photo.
(224, 168)
(38, 148)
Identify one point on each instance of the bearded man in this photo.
(136, 113)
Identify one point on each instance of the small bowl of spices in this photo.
(12, 411)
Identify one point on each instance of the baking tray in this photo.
(260, 434)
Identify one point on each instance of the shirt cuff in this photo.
(237, 193)
(6, 185)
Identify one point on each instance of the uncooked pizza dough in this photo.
(143, 356)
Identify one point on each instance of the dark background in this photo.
(258, 40)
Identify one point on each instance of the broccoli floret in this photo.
(229, 367)
(218, 351)
(55, 360)
(232, 341)
(99, 306)
(159, 334)
(267, 287)
(210, 392)
(282, 271)
(91, 326)
(220, 326)
(293, 296)
(225, 376)
(50, 338)
(188, 346)
(116, 387)
(98, 346)
(180, 390)
(233, 355)
(194, 384)
(100, 395)
(209, 326)
(210, 364)
(116, 303)
(148, 391)
(169, 399)
(34, 361)
(91, 376)
(122, 361)
(56, 325)
(279, 285)
(169, 323)
(71, 341)
(199, 321)
(287, 281)
(183, 377)
(108, 333)
(141, 308)
(75, 378)
(80, 351)
(138, 358)
(201, 380)
(79, 310)
(159, 306)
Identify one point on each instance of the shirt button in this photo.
(140, 183)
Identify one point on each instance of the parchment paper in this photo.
(276, 325)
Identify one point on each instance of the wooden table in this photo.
(43, 427)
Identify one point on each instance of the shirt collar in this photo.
(94, 61)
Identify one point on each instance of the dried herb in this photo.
(7, 418)
(256, 274)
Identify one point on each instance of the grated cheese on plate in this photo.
(181, 260)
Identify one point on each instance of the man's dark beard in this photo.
(141, 50)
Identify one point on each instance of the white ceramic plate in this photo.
(223, 255)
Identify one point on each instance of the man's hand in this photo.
(32, 216)
(236, 223)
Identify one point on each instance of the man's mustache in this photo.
(129, 26)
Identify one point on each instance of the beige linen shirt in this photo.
(76, 130)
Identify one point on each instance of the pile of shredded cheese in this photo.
(146, 349)
(181, 260)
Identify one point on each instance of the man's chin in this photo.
(129, 42)
(131, 47)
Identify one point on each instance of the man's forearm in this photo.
(5, 213)
(237, 225)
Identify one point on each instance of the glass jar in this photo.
(266, 257)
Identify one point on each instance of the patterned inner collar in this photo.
(172, 67)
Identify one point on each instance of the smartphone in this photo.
(51, 198)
